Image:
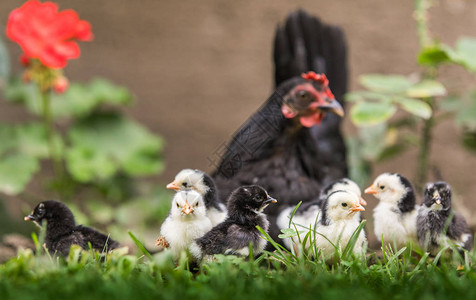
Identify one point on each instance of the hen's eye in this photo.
(344, 204)
(381, 187)
(178, 205)
(185, 184)
(303, 95)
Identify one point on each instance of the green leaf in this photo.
(433, 56)
(16, 171)
(425, 89)
(371, 113)
(416, 107)
(366, 95)
(465, 52)
(469, 141)
(105, 143)
(467, 117)
(78, 101)
(28, 139)
(452, 103)
(389, 84)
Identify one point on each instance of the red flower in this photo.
(46, 34)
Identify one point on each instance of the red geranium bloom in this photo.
(46, 34)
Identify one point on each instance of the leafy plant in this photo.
(423, 97)
(94, 149)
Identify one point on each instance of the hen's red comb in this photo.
(320, 78)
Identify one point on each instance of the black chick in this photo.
(437, 224)
(234, 235)
(62, 231)
(293, 146)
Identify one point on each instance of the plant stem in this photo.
(421, 16)
(49, 128)
(425, 148)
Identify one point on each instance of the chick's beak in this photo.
(187, 209)
(173, 186)
(371, 190)
(333, 106)
(30, 217)
(270, 200)
(357, 207)
(362, 201)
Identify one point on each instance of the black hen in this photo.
(62, 231)
(293, 145)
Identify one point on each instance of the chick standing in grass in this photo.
(186, 222)
(437, 224)
(62, 231)
(309, 214)
(197, 180)
(234, 235)
(395, 215)
(338, 223)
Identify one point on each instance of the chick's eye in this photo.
(185, 184)
(178, 205)
(343, 204)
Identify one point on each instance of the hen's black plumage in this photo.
(234, 235)
(277, 148)
(436, 220)
(62, 231)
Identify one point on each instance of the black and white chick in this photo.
(197, 180)
(395, 214)
(62, 231)
(234, 235)
(309, 214)
(186, 222)
(338, 223)
(437, 224)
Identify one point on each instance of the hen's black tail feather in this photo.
(306, 44)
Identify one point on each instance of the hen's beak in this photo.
(333, 106)
(30, 217)
(187, 209)
(173, 186)
(371, 190)
(357, 207)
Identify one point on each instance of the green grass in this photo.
(405, 274)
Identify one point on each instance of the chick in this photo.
(338, 223)
(186, 222)
(234, 235)
(197, 180)
(62, 231)
(308, 214)
(437, 224)
(395, 215)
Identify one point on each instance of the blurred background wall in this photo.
(199, 69)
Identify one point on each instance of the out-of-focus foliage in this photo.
(98, 152)
(420, 100)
